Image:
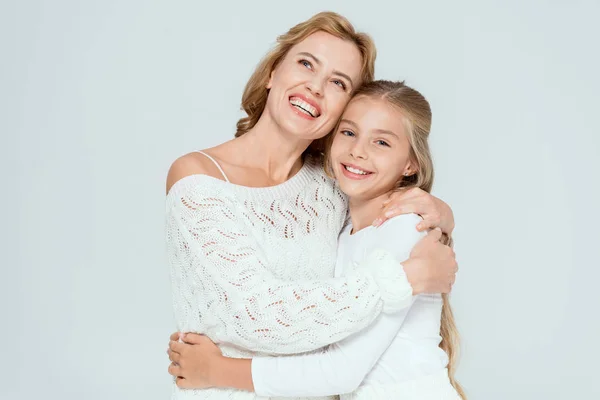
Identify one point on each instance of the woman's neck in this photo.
(267, 148)
(364, 211)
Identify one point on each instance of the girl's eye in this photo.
(306, 63)
(383, 143)
(340, 84)
(347, 133)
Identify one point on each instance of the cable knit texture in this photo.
(252, 268)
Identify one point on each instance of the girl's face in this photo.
(370, 151)
(313, 83)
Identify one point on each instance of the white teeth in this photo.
(355, 171)
(304, 106)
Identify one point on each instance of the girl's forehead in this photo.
(374, 114)
(363, 106)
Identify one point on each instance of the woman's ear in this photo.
(270, 82)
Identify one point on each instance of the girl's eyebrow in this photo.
(349, 122)
(378, 131)
(385, 132)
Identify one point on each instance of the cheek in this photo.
(337, 152)
(393, 170)
(284, 74)
(337, 103)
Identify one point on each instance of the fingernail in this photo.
(377, 222)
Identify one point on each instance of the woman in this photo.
(252, 224)
(379, 146)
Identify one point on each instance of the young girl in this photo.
(379, 146)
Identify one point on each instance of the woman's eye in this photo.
(383, 143)
(347, 133)
(306, 63)
(340, 84)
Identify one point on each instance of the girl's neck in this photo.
(267, 147)
(364, 211)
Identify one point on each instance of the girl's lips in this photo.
(352, 175)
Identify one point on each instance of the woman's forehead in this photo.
(336, 53)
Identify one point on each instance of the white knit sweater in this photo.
(249, 268)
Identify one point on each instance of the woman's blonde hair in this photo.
(417, 120)
(255, 94)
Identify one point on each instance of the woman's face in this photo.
(313, 83)
(370, 151)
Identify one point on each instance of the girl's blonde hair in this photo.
(255, 94)
(417, 120)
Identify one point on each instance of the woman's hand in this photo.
(435, 213)
(193, 360)
(432, 265)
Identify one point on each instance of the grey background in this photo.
(98, 98)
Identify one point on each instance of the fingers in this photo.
(174, 336)
(174, 357)
(177, 347)
(392, 211)
(434, 235)
(174, 369)
(194, 338)
(424, 225)
(183, 383)
(430, 221)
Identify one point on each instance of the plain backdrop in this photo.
(97, 98)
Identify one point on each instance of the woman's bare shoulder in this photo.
(193, 163)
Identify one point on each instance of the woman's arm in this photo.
(343, 367)
(216, 263)
(339, 370)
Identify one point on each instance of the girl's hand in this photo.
(193, 360)
(435, 213)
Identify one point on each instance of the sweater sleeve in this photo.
(245, 305)
(344, 365)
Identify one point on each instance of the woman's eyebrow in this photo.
(335, 72)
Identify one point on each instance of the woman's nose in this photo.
(315, 87)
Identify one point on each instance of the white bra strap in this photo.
(216, 163)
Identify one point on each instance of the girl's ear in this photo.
(409, 169)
